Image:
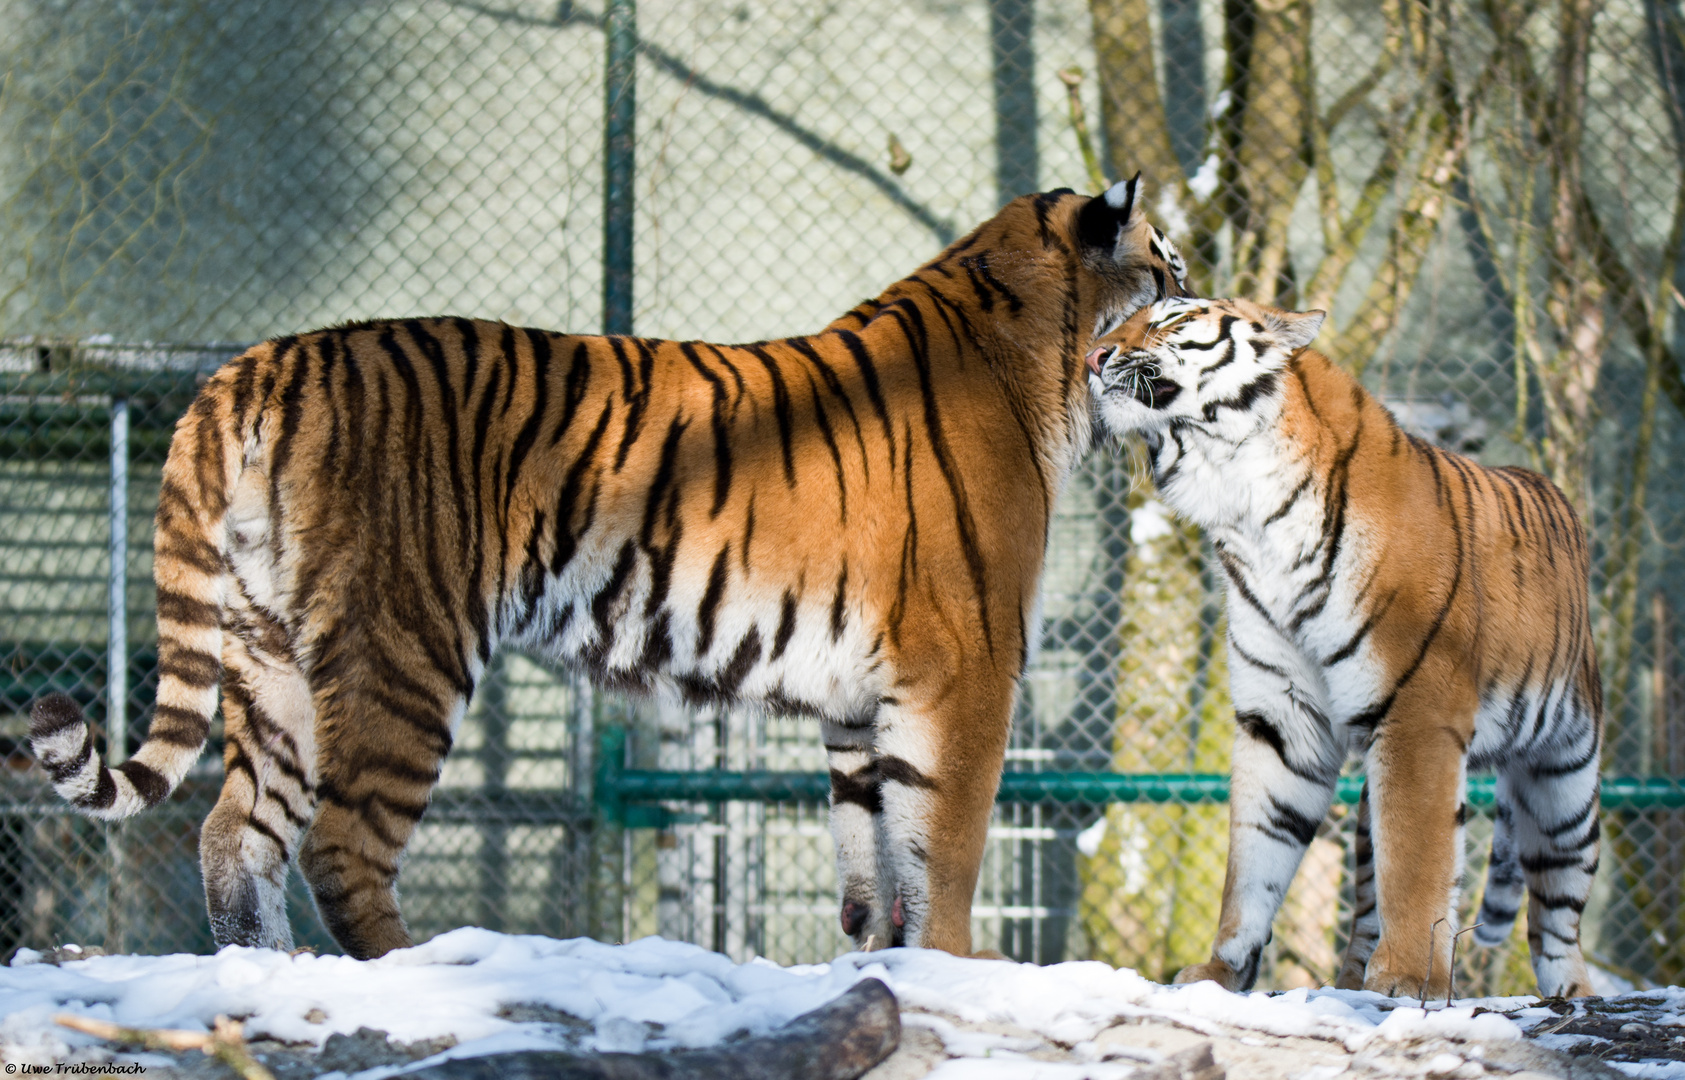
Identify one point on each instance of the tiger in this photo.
(1388, 598)
(849, 526)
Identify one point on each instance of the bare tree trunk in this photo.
(1131, 110)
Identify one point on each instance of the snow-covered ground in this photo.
(962, 1019)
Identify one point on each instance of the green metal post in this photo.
(620, 25)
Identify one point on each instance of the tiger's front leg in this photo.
(1416, 771)
(1285, 763)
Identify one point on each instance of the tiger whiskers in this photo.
(1136, 378)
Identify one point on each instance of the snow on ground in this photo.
(966, 1019)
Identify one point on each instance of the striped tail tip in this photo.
(64, 745)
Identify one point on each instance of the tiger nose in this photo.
(1095, 357)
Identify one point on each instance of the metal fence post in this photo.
(117, 608)
(620, 74)
(117, 657)
(1012, 47)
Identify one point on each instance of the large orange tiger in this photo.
(849, 526)
(1386, 596)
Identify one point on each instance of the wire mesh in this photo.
(1486, 197)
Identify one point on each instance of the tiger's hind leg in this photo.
(1555, 815)
(856, 817)
(1501, 901)
(382, 747)
(1366, 921)
(268, 794)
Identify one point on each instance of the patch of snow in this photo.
(1651, 1070)
(1458, 1022)
(1606, 983)
(996, 1018)
(1149, 522)
(1171, 216)
(1088, 840)
(1203, 184)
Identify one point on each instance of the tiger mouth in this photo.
(1139, 380)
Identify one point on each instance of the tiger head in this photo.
(1189, 360)
(1051, 264)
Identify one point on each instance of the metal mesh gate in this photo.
(1486, 196)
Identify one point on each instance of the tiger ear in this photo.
(1106, 216)
(1293, 330)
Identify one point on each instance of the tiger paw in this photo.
(1215, 970)
(1404, 983)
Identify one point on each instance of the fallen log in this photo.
(840, 1040)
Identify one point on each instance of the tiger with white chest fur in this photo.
(1387, 595)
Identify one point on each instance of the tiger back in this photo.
(1387, 597)
(849, 526)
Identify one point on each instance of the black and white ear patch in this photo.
(1104, 217)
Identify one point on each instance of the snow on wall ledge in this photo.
(481, 989)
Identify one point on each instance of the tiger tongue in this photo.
(1094, 358)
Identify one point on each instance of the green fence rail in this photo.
(630, 797)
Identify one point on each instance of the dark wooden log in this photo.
(840, 1040)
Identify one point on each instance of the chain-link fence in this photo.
(1485, 194)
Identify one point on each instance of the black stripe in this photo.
(1234, 647)
(874, 391)
(711, 598)
(187, 610)
(912, 327)
(838, 622)
(781, 410)
(175, 726)
(1539, 863)
(147, 782)
(567, 542)
(742, 661)
(658, 643)
(539, 341)
(665, 470)
(636, 395)
(902, 771)
(622, 572)
(579, 381)
(786, 625)
(1555, 902)
(831, 444)
(190, 667)
(104, 793)
(834, 386)
(860, 788)
(183, 547)
(292, 413)
(1290, 821)
(721, 427)
(748, 532)
(1345, 651)
(1231, 567)
(1260, 728)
